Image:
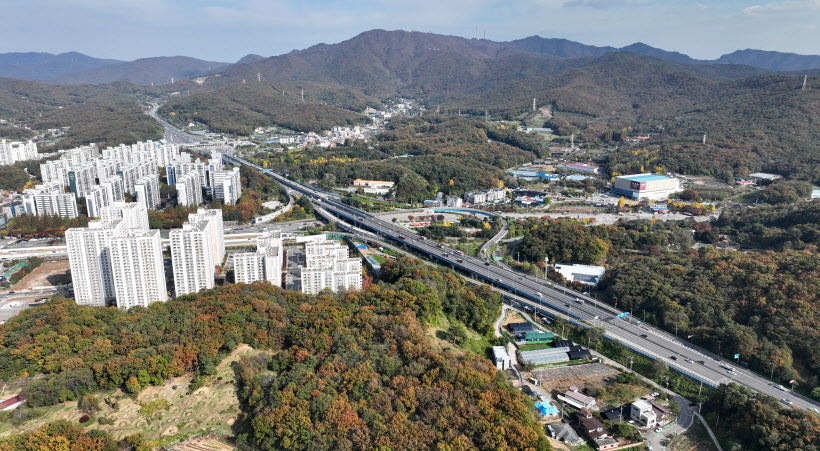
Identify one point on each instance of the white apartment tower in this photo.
(226, 186)
(90, 260)
(14, 151)
(147, 189)
(136, 260)
(215, 228)
(189, 189)
(133, 214)
(264, 264)
(192, 256)
(328, 265)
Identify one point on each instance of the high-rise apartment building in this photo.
(328, 265)
(226, 186)
(133, 214)
(192, 257)
(215, 228)
(136, 261)
(14, 151)
(147, 189)
(264, 264)
(189, 189)
(90, 260)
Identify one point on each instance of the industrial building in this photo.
(579, 167)
(585, 274)
(646, 186)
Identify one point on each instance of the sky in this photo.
(226, 30)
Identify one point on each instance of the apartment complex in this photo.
(189, 189)
(226, 186)
(485, 196)
(13, 151)
(117, 259)
(192, 258)
(196, 250)
(328, 265)
(136, 261)
(147, 189)
(50, 199)
(264, 264)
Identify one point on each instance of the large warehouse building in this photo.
(646, 186)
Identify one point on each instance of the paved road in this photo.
(547, 298)
(172, 133)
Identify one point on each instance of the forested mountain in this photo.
(778, 61)
(250, 58)
(239, 108)
(144, 71)
(41, 66)
(339, 371)
(104, 114)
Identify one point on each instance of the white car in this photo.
(658, 430)
(655, 395)
(780, 387)
(787, 401)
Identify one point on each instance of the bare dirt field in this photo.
(201, 444)
(48, 274)
(560, 379)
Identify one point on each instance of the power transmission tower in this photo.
(533, 104)
(303, 94)
(704, 138)
(259, 76)
(805, 77)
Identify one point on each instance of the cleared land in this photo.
(48, 274)
(201, 443)
(213, 406)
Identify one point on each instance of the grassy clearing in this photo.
(159, 412)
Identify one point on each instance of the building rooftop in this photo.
(644, 177)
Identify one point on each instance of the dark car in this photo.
(673, 357)
(644, 336)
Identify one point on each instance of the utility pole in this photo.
(533, 104)
(718, 348)
(303, 94)
(699, 389)
(772, 375)
(704, 138)
(805, 77)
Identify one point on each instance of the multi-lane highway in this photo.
(543, 296)
(172, 134)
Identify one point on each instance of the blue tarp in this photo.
(545, 408)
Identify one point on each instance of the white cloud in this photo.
(784, 6)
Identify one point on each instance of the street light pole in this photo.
(772, 375)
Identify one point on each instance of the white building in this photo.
(579, 167)
(14, 151)
(189, 189)
(454, 202)
(147, 189)
(81, 179)
(643, 414)
(50, 200)
(502, 358)
(192, 257)
(90, 261)
(133, 214)
(215, 228)
(226, 186)
(586, 274)
(646, 186)
(264, 264)
(136, 260)
(328, 265)
(214, 166)
(96, 200)
(485, 196)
